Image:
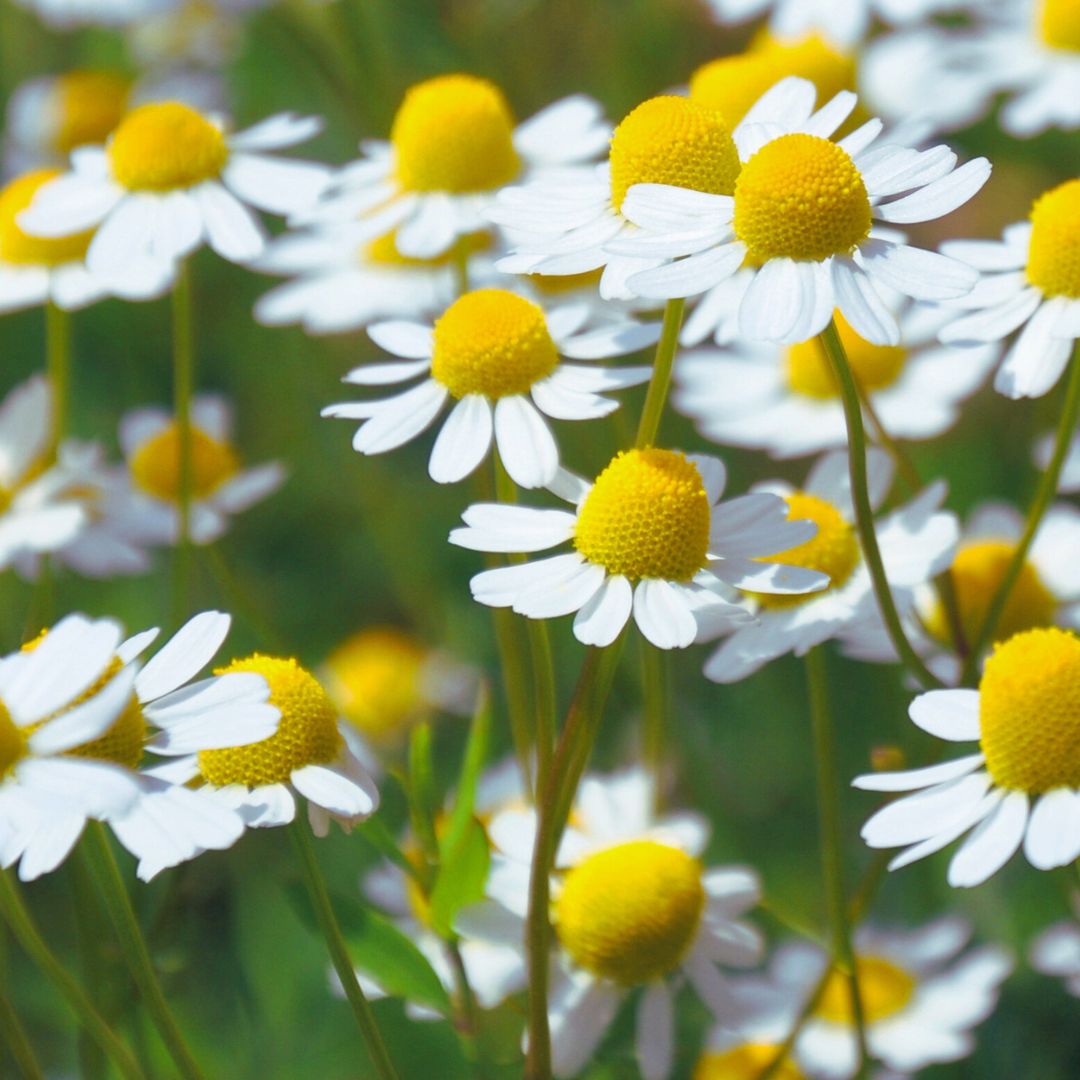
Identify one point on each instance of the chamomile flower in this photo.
(917, 541)
(1022, 786)
(169, 178)
(1032, 280)
(497, 355)
(785, 399)
(651, 539)
(1056, 952)
(221, 487)
(802, 217)
(922, 992)
(453, 145)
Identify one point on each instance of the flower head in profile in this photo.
(651, 538)
(498, 356)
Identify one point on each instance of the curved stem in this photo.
(864, 512)
(335, 945)
(183, 391)
(466, 1011)
(656, 397)
(58, 368)
(1044, 496)
(14, 1038)
(107, 875)
(22, 927)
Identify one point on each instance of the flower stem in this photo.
(22, 927)
(1044, 496)
(183, 391)
(864, 512)
(656, 397)
(460, 261)
(466, 1011)
(89, 926)
(14, 1039)
(58, 367)
(339, 955)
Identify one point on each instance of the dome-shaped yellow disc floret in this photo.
(164, 146)
(90, 104)
(1029, 711)
(20, 247)
(834, 550)
(1059, 24)
(977, 571)
(801, 197)
(155, 465)
(12, 742)
(885, 988)
(307, 733)
(454, 133)
(647, 516)
(672, 140)
(1053, 264)
(492, 342)
(630, 913)
(874, 366)
(746, 1062)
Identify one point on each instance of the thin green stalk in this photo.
(110, 883)
(460, 262)
(22, 927)
(656, 397)
(1044, 496)
(864, 512)
(89, 931)
(656, 704)
(339, 955)
(58, 368)
(183, 329)
(828, 799)
(466, 1011)
(14, 1039)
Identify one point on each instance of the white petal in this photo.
(992, 843)
(463, 442)
(938, 198)
(948, 714)
(656, 1032)
(1053, 831)
(601, 620)
(410, 340)
(525, 442)
(401, 419)
(278, 186)
(232, 230)
(923, 275)
(499, 527)
(663, 615)
(184, 655)
(84, 722)
(336, 792)
(916, 779)
(386, 374)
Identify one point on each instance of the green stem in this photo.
(89, 930)
(339, 955)
(14, 1038)
(460, 261)
(110, 883)
(58, 367)
(828, 799)
(22, 927)
(466, 1010)
(656, 397)
(864, 512)
(239, 600)
(656, 704)
(183, 392)
(1044, 496)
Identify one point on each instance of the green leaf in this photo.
(463, 872)
(423, 802)
(472, 764)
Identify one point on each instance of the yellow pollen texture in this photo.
(454, 133)
(833, 551)
(21, 248)
(155, 465)
(630, 913)
(647, 516)
(801, 197)
(1059, 24)
(492, 342)
(307, 733)
(874, 366)
(885, 989)
(672, 140)
(1029, 711)
(164, 146)
(90, 104)
(12, 742)
(746, 1062)
(1053, 264)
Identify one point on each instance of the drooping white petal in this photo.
(463, 441)
(525, 442)
(992, 844)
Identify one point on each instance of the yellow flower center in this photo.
(885, 990)
(1054, 252)
(801, 197)
(374, 678)
(492, 342)
(746, 1062)
(155, 465)
(454, 133)
(630, 913)
(1029, 711)
(874, 366)
(384, 250)
(12, 742)
(647, 516)
(834, 550)
(1059, 24)
(307, 733)
(672, 140)
(560, 284)
(165, 146)
(91, 104)
(19, 247)
(977, 572)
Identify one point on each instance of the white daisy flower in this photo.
(1032, 281)
(803, 212)
(922, 996)
(917, 541)
(452, 146)
(169, 178)
(651, 538)
(498, 356)
(1022, 786)
(785, 400)
(633, 909)
(221, 487)
(1056, 951)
